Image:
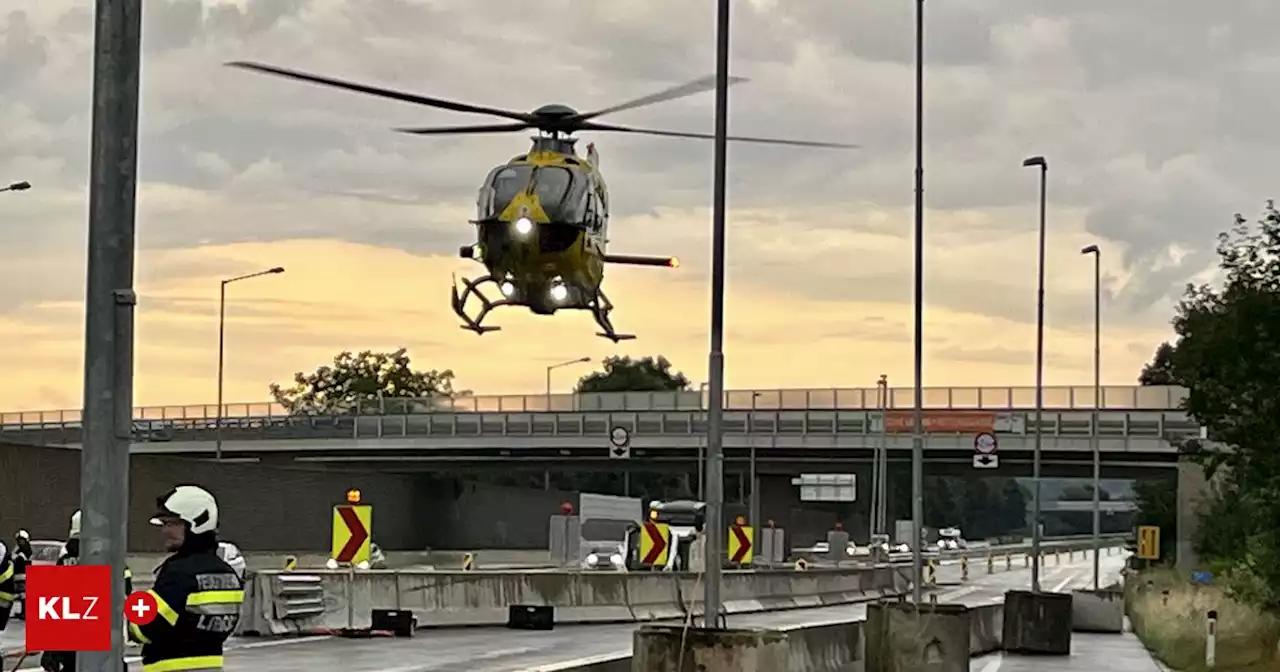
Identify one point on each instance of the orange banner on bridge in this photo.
(942, 422)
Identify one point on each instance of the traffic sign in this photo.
(740, 544)
(984, 451)
(654, 544)
(1148, 542)
(620, 443)
(352, 524)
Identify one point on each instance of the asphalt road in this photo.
(502, 650)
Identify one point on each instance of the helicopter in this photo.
(542, 217)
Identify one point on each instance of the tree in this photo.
(1159, 371)
(361, 382)
(1228, 356)
(623, 374)
(1014, 511)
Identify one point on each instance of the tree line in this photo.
(368, 381)
(1227, 354)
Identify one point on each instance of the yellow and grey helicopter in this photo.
(543, 216)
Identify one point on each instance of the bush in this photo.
(1172, 624)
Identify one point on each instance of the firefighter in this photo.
(198, 596)
(8, 586)
(65, 661)
(21, 552)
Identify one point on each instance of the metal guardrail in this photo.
(1121, 398)
(508, 426)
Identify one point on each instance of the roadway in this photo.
(502, 650)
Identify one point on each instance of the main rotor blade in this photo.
(592, 126)
(465, 130)
(707, 83)
(402, 96)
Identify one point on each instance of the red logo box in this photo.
(68, 608)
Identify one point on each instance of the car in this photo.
(605, 557)
(46, 552)
(230, 554)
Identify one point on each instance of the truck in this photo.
(685, 518)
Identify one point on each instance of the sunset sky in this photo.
(1153, 122)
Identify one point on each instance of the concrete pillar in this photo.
(662, 648)
(904, 637)
(1193, 487)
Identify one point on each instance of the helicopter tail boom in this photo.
(640, 260)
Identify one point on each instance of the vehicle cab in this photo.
(686, 519)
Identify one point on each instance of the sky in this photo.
(1152, 116)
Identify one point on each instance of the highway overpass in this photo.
(812, 430)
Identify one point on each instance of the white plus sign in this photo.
(140, 608)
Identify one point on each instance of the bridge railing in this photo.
(1059, 398)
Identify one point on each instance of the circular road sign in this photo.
(984, 443)
(619, 436)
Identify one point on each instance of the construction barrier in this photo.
(336, 600)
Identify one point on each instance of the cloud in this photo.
(1155, 118)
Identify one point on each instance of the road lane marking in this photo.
(1065, 582)
(994, 665)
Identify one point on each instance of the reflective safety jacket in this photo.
(8, 586)
(198, 598)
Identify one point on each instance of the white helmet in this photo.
(22, 534)
(75, 524)
(191, 504)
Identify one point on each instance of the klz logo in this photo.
(71, 608)
(60, 609)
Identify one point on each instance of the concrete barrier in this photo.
(437, 599)
(1037, 623)
(986, 629)
(1098, 611)
(666, 648)
(905, 637)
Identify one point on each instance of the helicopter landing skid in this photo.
(600, 308)
(472, 288)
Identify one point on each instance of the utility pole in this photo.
(917, 430)
(716, 531)
(109, 310)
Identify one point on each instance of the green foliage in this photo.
(980, 507)
(1228, 355)
(362, 382)
(623, 374)
(1159, 371)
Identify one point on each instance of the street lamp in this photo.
(1043, 165)
(880, 463)
(715, 544)
(553, 367)
(222, 332)
(17, 186)
(917, 421)
(1097, 405)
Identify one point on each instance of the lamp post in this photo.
(222, 333)
(917, 424)
(715, 544)
(17, 186)
(553, 367)
(1043, 165)
(1097, 406)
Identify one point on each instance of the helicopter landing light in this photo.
(559, 292)
(507, 289)
(524, 225)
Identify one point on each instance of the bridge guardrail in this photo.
(1117, 424)
(1115, 398)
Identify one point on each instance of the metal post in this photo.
(715, 477)
(1038, 161)
(702, 442)
(222, 334)
(753, 504)
(109, 310)
(553, 367)
(1097, 407)
(884, 461)
(222, 348)
(917, 433)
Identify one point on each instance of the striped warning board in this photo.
(290, 563)
(655, 543)
(468, 562)
(352, 529)
(741, 542)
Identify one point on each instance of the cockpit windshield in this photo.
(551, 183)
